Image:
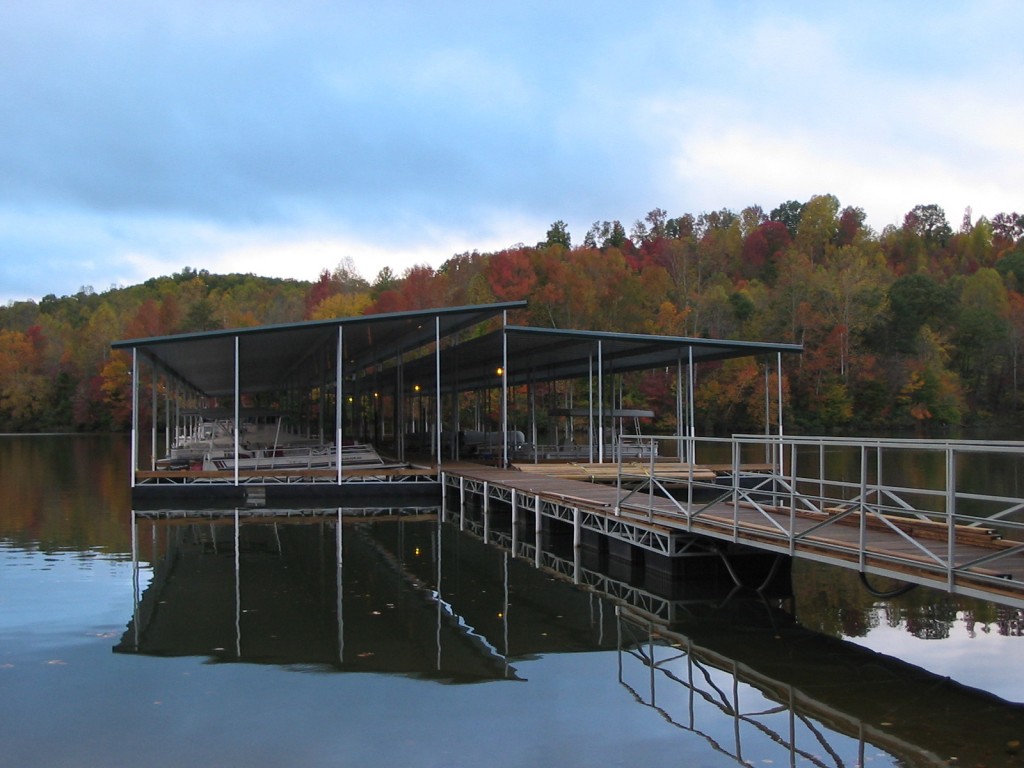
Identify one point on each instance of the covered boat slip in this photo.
(418, 388)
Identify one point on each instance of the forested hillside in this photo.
(919, 326)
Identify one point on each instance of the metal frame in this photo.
(802, 496)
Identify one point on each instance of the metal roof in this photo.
(551, 354)
(278, 357)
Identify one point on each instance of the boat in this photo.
(207, 443)
(326, 456)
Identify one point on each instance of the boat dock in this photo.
(431, 388)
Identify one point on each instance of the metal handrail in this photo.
(811, 485)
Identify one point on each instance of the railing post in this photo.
(618, 478)
(863, 521)
(537, 525)
(487, 511)
(444, 489)
(950, 514)
(650, 484)
(821, 476)
(792, 492)
(735, 488)
(515, 522)
(689, 490)
(462, 502)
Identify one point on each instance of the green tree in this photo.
(788, 213)
(929, 222)
(915, 300)
(558, 234)
(982, 332)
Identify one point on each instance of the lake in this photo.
(379, 637)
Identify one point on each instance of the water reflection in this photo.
(347, 592)
(404, 595)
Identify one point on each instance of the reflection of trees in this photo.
(66, 492)
(856, 622)
(1011, 622)
(833, 601)
(929, 623)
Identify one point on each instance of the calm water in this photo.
(401, 640)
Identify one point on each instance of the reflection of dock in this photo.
(271, 590)
(712, 657)
(422, 598)
(794, 690)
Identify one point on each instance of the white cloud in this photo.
(256, 139)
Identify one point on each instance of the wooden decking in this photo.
(297, 475)
(675, 472)
(978, 562)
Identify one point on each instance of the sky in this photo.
(285, 138)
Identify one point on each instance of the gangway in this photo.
(942, 522)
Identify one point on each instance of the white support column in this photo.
(504, 389)
(153, 415)
(533, 417)
(398, 406)
(778, 371)
(591, 432)
(680, 425)
(238, 406)
(135, 412)
(339, 403)
(692, 427)
(167, 420)
(600, 403)
(437, 386)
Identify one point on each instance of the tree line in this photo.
(919, 326)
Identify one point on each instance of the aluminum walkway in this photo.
(860, 524)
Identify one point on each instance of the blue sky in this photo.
(284, 138)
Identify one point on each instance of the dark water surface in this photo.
(348, 640)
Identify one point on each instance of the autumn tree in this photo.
(23, 386)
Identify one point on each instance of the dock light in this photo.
(415, 387)
(500, 371)
(416, 551)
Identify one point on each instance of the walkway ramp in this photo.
(975, 560)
